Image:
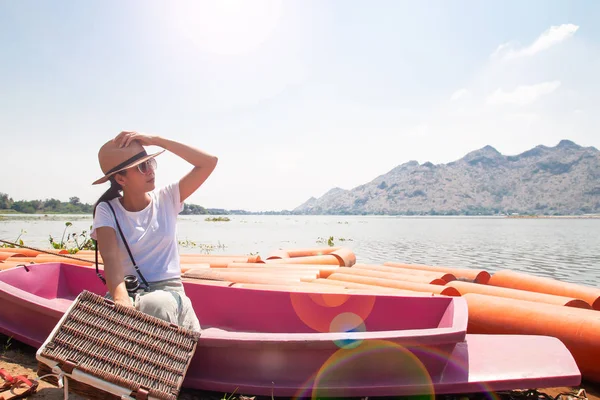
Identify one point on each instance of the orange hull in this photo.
(578, 329)
(447, 277)
(467, 287)
(476, 275)
(392, 276)
(417, 287)
(532, 283)
(317, 251)
(324, 260)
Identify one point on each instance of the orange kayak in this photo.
(475, 275)
(414, 286)
(532, 283)
(393, 276)
(468, 287)
(447, 277)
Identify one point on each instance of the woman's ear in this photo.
(120, 178)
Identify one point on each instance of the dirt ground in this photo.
(19, 359)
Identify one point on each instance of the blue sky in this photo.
(294, 97)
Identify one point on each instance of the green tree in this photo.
(5, 201)
(51, 204)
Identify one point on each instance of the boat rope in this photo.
(84, 260)
(46, 251)
(80, 259)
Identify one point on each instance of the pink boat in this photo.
(278, 343)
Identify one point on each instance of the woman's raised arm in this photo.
(204, 163)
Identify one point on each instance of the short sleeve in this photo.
(170, 195)
(103, 217)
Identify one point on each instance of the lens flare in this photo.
(318, 310)
(349, 369)
(378, 366)
(347, 322)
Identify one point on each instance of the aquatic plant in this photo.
(72, 244)
(17, 240)
(206, 248)
(211, 247)
(217, 219)
(186, 243)
(331, 241)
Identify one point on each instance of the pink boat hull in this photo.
(304, 344)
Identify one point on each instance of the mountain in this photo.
(559, 180)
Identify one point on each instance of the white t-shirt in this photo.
(150, 233)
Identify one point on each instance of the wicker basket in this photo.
(118, 350)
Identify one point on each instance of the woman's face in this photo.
(139, 178)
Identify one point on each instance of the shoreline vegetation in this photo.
(74, 207)
(590, 216)
(15, 216)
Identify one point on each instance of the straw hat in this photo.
(114, 159)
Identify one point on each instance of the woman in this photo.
(139, 226)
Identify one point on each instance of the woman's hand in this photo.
(124, 138)
(125, 302)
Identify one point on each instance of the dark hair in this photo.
(112, 193)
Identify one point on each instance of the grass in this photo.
(10, 346)
(6, 343)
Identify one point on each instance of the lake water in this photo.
(566, 249)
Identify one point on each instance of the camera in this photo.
(131, 284)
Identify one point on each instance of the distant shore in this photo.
(14, 216)
(595, 216)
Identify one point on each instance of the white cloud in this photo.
(460, 93)
(525, 118)
(551, 37)
(523, 95)
(418, 131)
(519, 105)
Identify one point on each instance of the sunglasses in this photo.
(147, 166)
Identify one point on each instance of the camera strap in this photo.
(128, 251)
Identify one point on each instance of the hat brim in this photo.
(105, 178)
